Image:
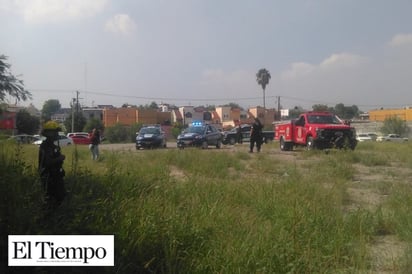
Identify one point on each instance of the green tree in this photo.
(295, 112)
(176, 130)
(346, 112)
(233, 106)
(134, 129)
(50, 107)
(93, 123)
(395, 125)
(263, 77)
(321, 107)
(78, 120)
(117, 133)
(152, 105)
(10, 84)
(27, 123)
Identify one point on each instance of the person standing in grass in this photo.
(95, 141)
(239, 134)
(256, 135)
(51, 164)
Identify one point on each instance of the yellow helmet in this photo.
(51, 125)
(50, 129)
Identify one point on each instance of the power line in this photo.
(228, 99)
(112, 94)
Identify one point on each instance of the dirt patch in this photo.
(369, 190)
(177, 173)
(386, 252)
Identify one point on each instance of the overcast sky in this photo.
(194, 52)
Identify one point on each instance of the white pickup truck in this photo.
(391, 138)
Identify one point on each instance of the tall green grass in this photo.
(212, 211)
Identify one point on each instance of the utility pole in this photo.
(279, 108)
(75, 104)
(77, 108)
(74, 99)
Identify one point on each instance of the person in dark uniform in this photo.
(239, 134)
(256, 135)
(51, 164)
(95, 141)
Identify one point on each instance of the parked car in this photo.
(231, 137)
(81, 139)
(373, 135)
(63, 141)
(24, 138)
(71, 134)
(200, 135)
(363, 137)
(150, 137)
(391, 138)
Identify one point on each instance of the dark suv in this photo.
(150, 137)
(200, 135)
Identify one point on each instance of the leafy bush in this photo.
(395, 125)
(117, 133)
(93, 123)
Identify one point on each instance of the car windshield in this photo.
(198, 130)
(149, 130)
(324, 119)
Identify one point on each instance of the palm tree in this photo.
(263, 77)
(10, 84)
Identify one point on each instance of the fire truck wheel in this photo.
(282, 144)
(310, 144)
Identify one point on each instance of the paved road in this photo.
(129, 146)
(170, 145)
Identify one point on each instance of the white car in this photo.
(63, 141)
(391, 138)
(373, 135)
(362, 137)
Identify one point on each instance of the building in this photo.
(267, 117)
(61, 115)
(8, 117)
(93, 113)
(404, 114)
(131, 115)
(231, 117)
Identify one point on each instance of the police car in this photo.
(150, 137)
(200, 135)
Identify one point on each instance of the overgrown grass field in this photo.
(222, 211)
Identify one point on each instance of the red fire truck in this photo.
(315, 130)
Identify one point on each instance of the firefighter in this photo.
(256, 135)
(51, 164)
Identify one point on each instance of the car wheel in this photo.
(232, 140)
(282, 144)
(204, 145)
(310, 144)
